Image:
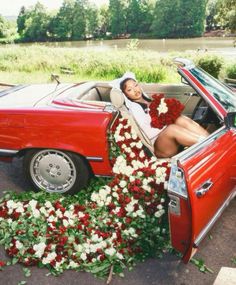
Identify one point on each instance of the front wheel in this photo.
(56, 171)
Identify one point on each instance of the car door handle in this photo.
(206, 186)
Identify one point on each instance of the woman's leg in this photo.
(169, 140)
(190, 125)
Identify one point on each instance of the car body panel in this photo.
(57, 128)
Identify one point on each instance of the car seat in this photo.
(117, 100)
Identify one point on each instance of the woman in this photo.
(167, 140)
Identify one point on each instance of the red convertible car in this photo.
(62, 132)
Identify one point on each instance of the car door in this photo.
(202, 183)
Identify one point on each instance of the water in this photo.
(223, 46)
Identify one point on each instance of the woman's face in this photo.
(132, 90)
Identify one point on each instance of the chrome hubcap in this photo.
(53, 171)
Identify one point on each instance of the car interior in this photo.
(195, 107)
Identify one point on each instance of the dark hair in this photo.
(123, 83)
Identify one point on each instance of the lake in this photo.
(222, 46)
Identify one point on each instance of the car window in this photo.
(221, 93)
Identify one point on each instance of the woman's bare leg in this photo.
(192, 126)
(169, 140)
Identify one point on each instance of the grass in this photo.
(36, 64)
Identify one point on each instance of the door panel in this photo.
(210, 185)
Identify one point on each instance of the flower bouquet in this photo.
(164, 111)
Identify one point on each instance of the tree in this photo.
(103, 20)
(164, 18)
(226, 15)
(21, 19)
(36, 25)
(179, 18)
(3, 27)
(91, 20)
(33, 23)
(191, 18)
(134, 16)
(79, 20)
(211, 12)
(62, 24)
(117, 10)
(147, 15)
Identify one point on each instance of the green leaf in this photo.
(201, 265)
(27, 272)
(233, 260)
(14, 260)
(23, 282)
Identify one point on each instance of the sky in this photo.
(12, 7)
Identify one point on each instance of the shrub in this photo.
(231, 71)
(211, 64)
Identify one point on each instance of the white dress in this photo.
(144, 121)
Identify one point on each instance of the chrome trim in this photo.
(105, 176)
(172, 193)
(8, 152)
(214, 219)
(12, 89)
(184, 62)
(94, 158)
(204, 188)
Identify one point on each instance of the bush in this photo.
(211, 64)
(231, 71)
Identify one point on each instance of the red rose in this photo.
(174, 109)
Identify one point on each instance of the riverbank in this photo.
(36, 64)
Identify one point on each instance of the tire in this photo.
(56, 171)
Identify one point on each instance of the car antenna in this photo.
(55, 77)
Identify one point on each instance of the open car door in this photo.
(202, 183)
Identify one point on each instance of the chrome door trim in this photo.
(8, 152)
(214, 219)
(94, 158)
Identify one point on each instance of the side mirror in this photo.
(230, 120)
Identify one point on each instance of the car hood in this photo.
(28, 95)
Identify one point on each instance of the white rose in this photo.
(122, 183)
(33, 204)
(162, 108)
(39, 249)
(19, 245)
(83, 256)
(110, 251)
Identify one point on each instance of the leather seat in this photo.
(117, 100)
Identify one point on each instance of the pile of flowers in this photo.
(100, 228)
(164, 111)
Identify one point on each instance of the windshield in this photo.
(221, 93)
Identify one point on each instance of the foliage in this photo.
(211, 12)
(211, 64)
(201, 265)
(80, 19)
(7, 28)
(179, 18)
(33, 23)
(226, 15)
(102, 227)
(231, 71)
(118, 16)
(86, 64)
